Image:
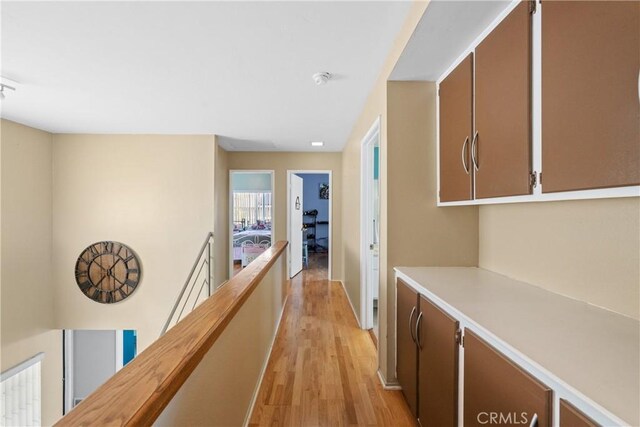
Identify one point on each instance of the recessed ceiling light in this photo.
(317, 143)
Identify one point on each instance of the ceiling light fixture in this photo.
(2, 88)
(321, 78)
(317, 143)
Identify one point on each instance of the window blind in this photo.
(21, 394)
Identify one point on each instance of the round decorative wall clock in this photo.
(107, 272)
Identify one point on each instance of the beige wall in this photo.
(376, 106)
(280, 162)
(418, 232)
(27, 290)
(153, 193)
(221, 216)
(220, 390)
(588, 249)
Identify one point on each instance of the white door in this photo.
(370, 228)
(372, 223)
(295, 224)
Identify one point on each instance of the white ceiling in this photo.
(445, 30)
(241, 70)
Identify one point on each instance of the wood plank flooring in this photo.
(322, 371)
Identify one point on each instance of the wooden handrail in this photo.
(137, 394)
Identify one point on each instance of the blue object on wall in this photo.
(129, 345)
(376, 162)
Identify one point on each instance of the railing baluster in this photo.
(206, 282)
(192, 282)
(191, 289)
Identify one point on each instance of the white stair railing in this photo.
(197, 288)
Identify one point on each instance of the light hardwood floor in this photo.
(322, 371)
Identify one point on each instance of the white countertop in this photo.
(594, 351)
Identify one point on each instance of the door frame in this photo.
(330, 227)
(230, 223)
(67, 371)
(366, 309)
(68, 361)
(119, 341)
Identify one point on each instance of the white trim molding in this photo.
(353, 310)
(387, 385)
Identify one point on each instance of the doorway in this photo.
(309, 221)
(90, 358)
(370, 228)
(251, 206)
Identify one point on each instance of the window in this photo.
(252, 210)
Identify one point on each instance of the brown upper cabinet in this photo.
(501, 147)
(456, 127)
(491, 150)
(578, 94)
(590, 106)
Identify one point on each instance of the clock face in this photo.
(108, 272)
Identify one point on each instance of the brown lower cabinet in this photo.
(497, 391)
(570, 416)
(436, 334)
(427, 358)
(407, 351)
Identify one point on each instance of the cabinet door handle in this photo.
(534, 421)
(464, 158)
(474, 152)
(413, 311)
(418, 323)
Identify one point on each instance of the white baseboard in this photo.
(254, 398)
(386, 385)
(350, 304)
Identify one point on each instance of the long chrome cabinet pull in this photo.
(534, 421)
(474, 153)
(464, 158)
(418, 322)
(413, 311)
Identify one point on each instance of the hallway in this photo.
(322, 369)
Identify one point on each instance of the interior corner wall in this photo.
(280, 163)
(221, 217)
(154, 193)
(418, 232)
(27, 309)
(588, 250)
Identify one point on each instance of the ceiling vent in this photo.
(321, 78)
